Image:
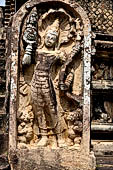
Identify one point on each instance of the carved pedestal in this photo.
(54, 159)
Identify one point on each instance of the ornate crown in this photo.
(54, 28)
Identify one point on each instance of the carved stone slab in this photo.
(50, 87)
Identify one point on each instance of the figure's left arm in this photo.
(62, 73)
(30, 37)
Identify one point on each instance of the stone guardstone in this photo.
(48, 68)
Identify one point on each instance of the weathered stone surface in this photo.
(4, 164)
(66, 44)
(102, 127)
(99, 12)
(102, 84)
(55, 159)
(100, 15)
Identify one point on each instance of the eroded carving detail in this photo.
(25, 116)
(50, 100)
(102, 110)
(101, 71)
(102, 76)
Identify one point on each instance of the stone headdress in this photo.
(60, 23)
(53, 28)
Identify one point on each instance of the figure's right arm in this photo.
(27, 56)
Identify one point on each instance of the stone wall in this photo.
(3, 116)
(100, 13)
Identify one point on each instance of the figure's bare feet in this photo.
(61, 141)
(43, 141)
(53, 142)
(22, 146)
(69, 142)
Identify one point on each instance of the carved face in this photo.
(50, 38)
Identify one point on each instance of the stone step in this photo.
(102, 148)
(2, 71)
(2, 44)
(2, 53)
(4, 165)
(2, 49)
(2, 64)
(8, 2)
(2, 121)
(2, 59)
(3, 142)
(1, 111)
(7, 15)
(7, 8)
(3, 133)
(104, 162)
(2, 100)
(2, 86)
(2, 40)
(105, 168)
(7, 20)
(2, 96)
